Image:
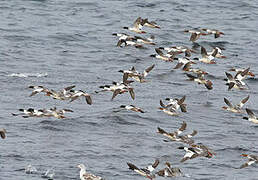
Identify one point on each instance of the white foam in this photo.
(25, 75)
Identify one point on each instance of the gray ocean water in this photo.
(69, 42)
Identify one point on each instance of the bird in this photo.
(195, 151)
(140, 77)
(162, 56)
(219, 52)
(182, 62)
(63, 94)
(168, 171)
(251, 160)
(237, 108)
(200, 80)
(195, 34)
(169, 109)
(151, 24)
(38, 89)
(132, 108)
(137, 26)
(251, 74)
(30, 112)
(146, 172)
(119, 88)
(145, 40)
(178, 50)
(233, 82)
(251, 116)
(175, 136)
(187, 67)
(87, 176)
(129, 42)
(177, 103)
(216, 33)
(206, 58)
(3, 133)
(76, 94)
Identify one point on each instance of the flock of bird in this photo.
(180, 54)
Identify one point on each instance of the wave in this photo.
(25, 75)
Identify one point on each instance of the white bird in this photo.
(87, 176)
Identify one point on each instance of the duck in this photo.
(200, 80)
(195, 151)
(195, 34)
(145, 40)
(179, 49)
(63, 94)
(216, 33)
(3, 133)
(162, 56)
(129, 42)
(188, 68)
(206, 58)
(132, 108)
(169, 109)
(84, 175)
(123, 36)
(137, 26)
(234, 82)
(30, 112)
(38, 89)
(175, 136)
(140, 77)
(151, 24)
(119, 88)
(219, 53)
(168, 171)
(237, 108)
(146, 172)
(177, 103)
(251, 74)
(251, 116)
(182, 62)
(252, 159)
(76, 94)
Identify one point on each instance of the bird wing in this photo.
(228, 103)
(241, 104)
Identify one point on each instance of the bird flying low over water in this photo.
(177, 103)
(169, 171)
(207, 58)
(237, 108)
(52, 112)
(252, 159)
(175, 136)
(137, 26)
(241, 70)
(196, 151)
(216, 33)
(118, 88)
(200, 80)
(251, 116)
(178, 50)
(146, 172)
(132, 108)
(140, 77)
(160, 55)
(76, 94)
(188, 67)
(236, 82)
(195, 34)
